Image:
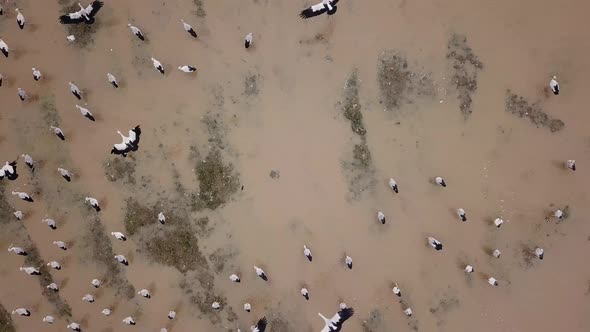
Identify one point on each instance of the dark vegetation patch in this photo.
(102, 253)
(466, 67)
(399, 85)
(528, 256)
(6, 324)
(120, 169)
(374, 323)
(200, 11)
(520, 107)
(49, 111)
(138, 216)
(83, 32)
(279, 324)
(317, 39)
(217, 182)
(352, 105)
(175, 246)
(5, 209)
(251, 85)
(215, 129)
(203, 227)
(220, 257)
(441, 307)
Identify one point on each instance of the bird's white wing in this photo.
(342, 316)
(317, 7)
(132, 136)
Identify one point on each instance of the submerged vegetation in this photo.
(217, 182)
(6, 324)
(175, 246)
(520, 107)
(466, 67)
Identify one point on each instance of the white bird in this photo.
(135, 30)
(408, 312)
(50, 222)
(61, 245)
(17, 250)
(30, 270)
(393, 185)
(48, 319)
(396, 290)
(335, 323)
(158, 65)
(96, 283)
(381, 217)
(492, 281)
(215, 305)
(161, 218)
(93, 202)
(558, 214)
(247, 307)
(248, 40)
(4, 48)
(20, 19)
(119, 236)
(53, 286)
(348, 262)
(171, 314)
(129, 320)
(260, 325)
(305, 293)
(188, 28)
(496, 253)
(113, 80)
(128, 143)
(326, 6)
(554, 85)
(58, 132)
(36, 74)
(540, 253)
(65, 174)
(571, 164)
(9, 171)
(234, 278)
(163, 329)
(260, 273)
(498, 222)
(434, 243)
(22, 195)
(19, 215)
(469, 269)
(461, 214)
(22, 94)
(145, 293)
(88, 298)
(55, 265)
(83, 15)
(307, 253)
(71, 38)
(75, 91)
(121, 259)
(106, 311)
(187, 68)
(29, 161)
(21, 312)
(74, 326)
(440, 181)
(86, 113)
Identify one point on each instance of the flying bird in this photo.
(65, 174)
(22, 195)
(75, 91)
(29, 161)
(93, 202)
(554, 85)
(36, 74)
(393, 185)
(58, 132)
(381, 217)
(9, 171)
(307, 253)
(187, 69)
(434, 243)
(129, 143)
(17, 250)
(113, 80)
(260, 273)
(188, 28)
(32, 271)
(260, 326)
(61, 245)
(440, 181)
(85, 15)
(4, 48)
(135, 30)
(50, 222)
(158, 65)
(20, 19)
(119, 236)
(21, 312)
(326, 6)
(461, 214)
(335, 323)
(571, 164)
(248, 40)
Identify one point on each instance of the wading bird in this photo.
(54, 265)
(461, 214)
(161, 218)
(53, 286)
(234, 278)
(74, 326)
(19, 215)
(188, 28)
(29, 161)
(121, 259)
(135, 30)
(492, 281)
(307, 253)
(145, 293)
(48, 319)
(128, 320)
(247, 307)
(187, 69)
(396, 290)
(248, 40)
(32, 271)
(381, 217)
(498, 222)
(440, 181)
(58, 132)
(21, 312)
(9, 171)
(571, 164)
(75, 91)
(24, 196)
(393, 185)
(260, 273)
(93, 202)
(36, 74)
(434, 243)
(61, 245)
(469, 269)
(348, 262)
(22, 94)
(88, 298)
(20, 19)
(65, 174)
(540, 253)
(50, 222)
(119, 236)
(95, 282)
(554, 85)
(4, 48)
(113, 80)
(171, 314)
(86, 113)
(106, 311)
(85, 15)
(17, 250)
(158, 65)
(305, 293)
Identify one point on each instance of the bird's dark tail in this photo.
(192, 33)
(77, 95)
(61, 136)
(115, 84)
(90, 117)
(5, 52)
(68, 178)
(140, 36)
(463, 217)
(246, 44)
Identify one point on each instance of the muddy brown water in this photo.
(495, 164)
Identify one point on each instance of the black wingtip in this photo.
(261, 325)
